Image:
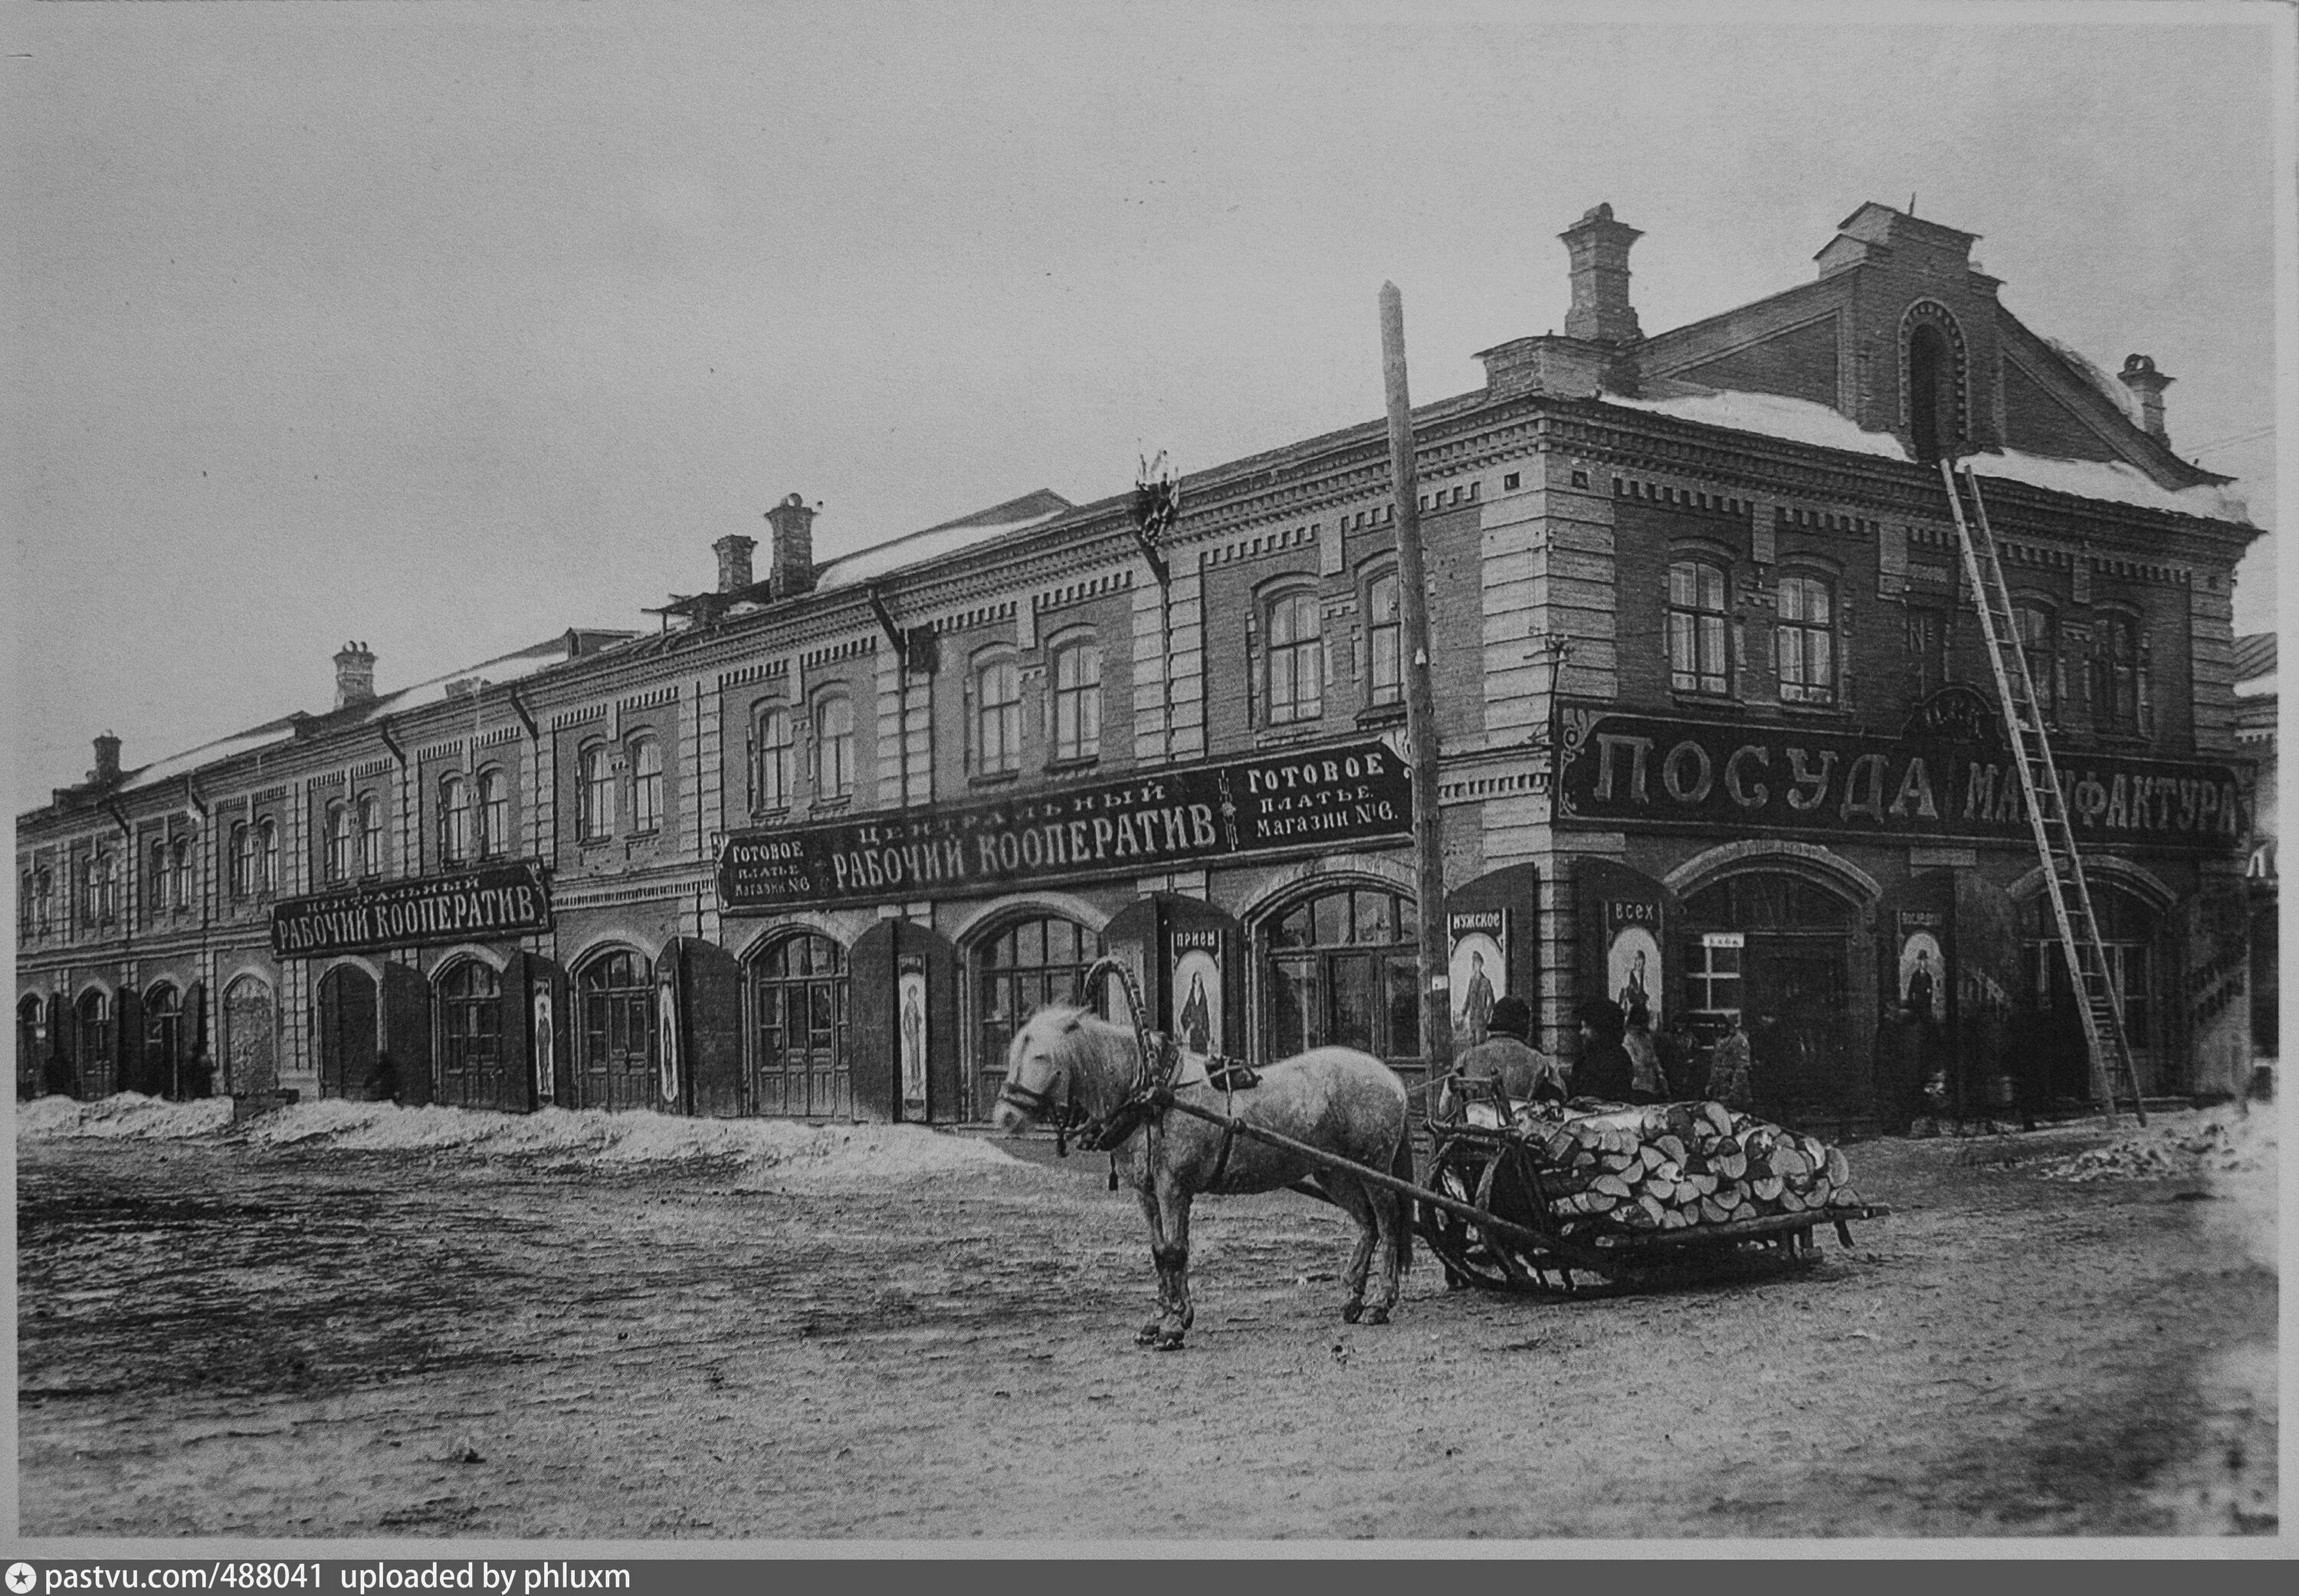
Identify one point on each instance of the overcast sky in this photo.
(445, 328)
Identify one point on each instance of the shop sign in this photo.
(490, 904)
(1633, 770)
(1158, 821)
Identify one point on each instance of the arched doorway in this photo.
(1776, 950)
(1018, 968)
(164, 1042)
(347, 1031)
(99, 1074)
(799, 1059)
(250, 1037)
(2128, 931)
(470, 1035)
(32, 1045)
(615, 1063)
(1340, 968)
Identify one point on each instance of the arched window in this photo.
(454, 820)
(1384, 631)
(646, 785)
(1023, 968)
(1293, 668)
(1340, 968)
(1804, 640)
(834, 746)
(494, 815)
(103, 890)
(156, 881)
(598, 793)
(1077, 701)
(1928, 368)
(616, 1068)
(179, 858)
(778, 760)
(370, 826)
(339, 841)
(1697, 600)
(24, 906)
(998, 717)
(2039, 640)
(798, 1009)
(2118, 678)
(44, 901)
(267, 835)
(242, 859)
(471, 1033)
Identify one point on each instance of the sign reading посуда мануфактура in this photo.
(1155, 821)
(484, 905)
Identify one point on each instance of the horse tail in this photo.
(1400, 1164)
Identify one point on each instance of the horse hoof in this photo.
(1169, 1341)
(1352, 1311)
(1146, 1334)
(1378, 1316)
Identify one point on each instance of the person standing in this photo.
(1604, 1072)
(1505, 1064)
(1679, 1058)
(1648, 1082)
(1731, 1067)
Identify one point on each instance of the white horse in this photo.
(1066, 1063)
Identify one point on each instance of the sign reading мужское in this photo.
(1156, 820)
(470, 905)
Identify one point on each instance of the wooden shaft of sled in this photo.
(1520, 1234)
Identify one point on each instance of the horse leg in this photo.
(1174, 1261)
(1159, 1257)
(1350, 1194)
(1389, 1220)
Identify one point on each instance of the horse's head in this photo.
(1038, 1065)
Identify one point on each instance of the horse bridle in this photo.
(1152, 1081)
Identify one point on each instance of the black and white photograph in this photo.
(1288, 780)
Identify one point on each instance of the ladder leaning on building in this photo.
(2098, 999)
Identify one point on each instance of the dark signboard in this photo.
(1634, 770)
(1156, 820)
(486, 904)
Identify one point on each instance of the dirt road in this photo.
(219, 1337)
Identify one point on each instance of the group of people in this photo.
(1622, 1061)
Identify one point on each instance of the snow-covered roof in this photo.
(984, 527)
(1802, 421)
(209, 753)
(2097, 374)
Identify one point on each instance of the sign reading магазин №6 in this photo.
(1310, 798)
(502, 900)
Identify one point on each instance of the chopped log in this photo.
(1838, 1171)
(1768, 1188)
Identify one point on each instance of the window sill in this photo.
(1382, 715)
(994, 778)
(1289, 734)
(1073, 768)
(1704, 700)
(1814, 712)
(777, 816)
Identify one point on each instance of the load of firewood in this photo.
(1673, 1165)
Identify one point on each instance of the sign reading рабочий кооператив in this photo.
(485, 905)
(1310, 798)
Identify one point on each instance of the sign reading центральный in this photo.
(479, 906)
(1633, 769)
(1150, 821)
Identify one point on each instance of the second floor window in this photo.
(834, 746)
(1927, 650)
(494, 815)
(24, 906)
(1697, 658)
(1805, 640)
(43, 901)
(598, 794)
(1077, 701)
(242, 859)
(998, 718)
(103, 890)
(371, 825)
(646, 785)
(339, 841)
(2039, 642)
(267, 838)
(454, 820)
(179, 856)
(1294, 675)
(778, 760)
(156, 882)
(2119, 680)
(1385, 630)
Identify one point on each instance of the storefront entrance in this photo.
(1341, 970)
(798, 995)
(2129, 933)
(1020, 969)
(1776, 951)
(250, 1037)
(615, 1068)
(347, 1031)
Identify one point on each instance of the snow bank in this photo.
(2222, 1142)
(128, 1115)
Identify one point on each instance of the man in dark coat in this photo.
(383, 1085)
(1604, 1072)
(1505, 1064)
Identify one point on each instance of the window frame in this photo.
(2121, 687)
(822, 742)
(267, 835)
(1827, 632)
(642, 753)
(775, 733)
(1006, 759)
(491, 813)
(179, 873)
(241, 848)
(335, 841)
(1689, 620)
(1074, 708)
(455, 831)
(2043, 655)
(594, 792)
(1381, 694)
(370, 835)
(1305, 703)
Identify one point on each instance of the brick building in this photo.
(1717, 723)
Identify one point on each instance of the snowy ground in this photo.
(347, 1320)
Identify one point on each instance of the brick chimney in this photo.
(791, 556)
(2147, 385)
(107, 759)
(1599, 249)
(734, 551)
(354, 675)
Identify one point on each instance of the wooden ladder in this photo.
(2098, 998)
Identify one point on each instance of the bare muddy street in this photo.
(914, 1334)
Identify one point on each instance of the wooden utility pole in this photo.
(1420, 701)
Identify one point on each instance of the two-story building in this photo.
(1719, 736)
